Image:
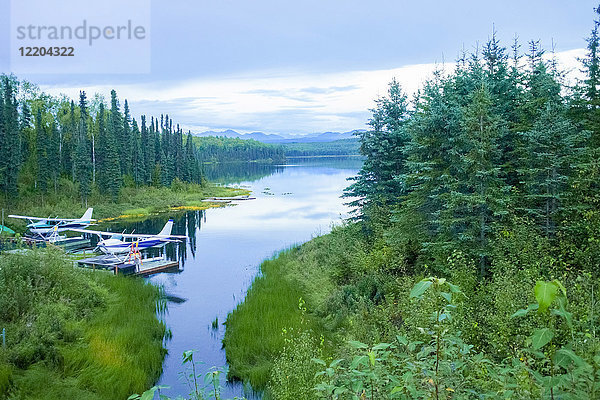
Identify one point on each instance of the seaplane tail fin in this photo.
(88, 214)
(166, 231)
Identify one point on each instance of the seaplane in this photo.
(48, 228)
(115, 244)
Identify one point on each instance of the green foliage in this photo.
(445, 367)
(99, 148)
(75, 334)
(293, 374)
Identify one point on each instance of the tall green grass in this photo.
(76, 334)
(257, 330)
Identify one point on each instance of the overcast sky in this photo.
(309, 66)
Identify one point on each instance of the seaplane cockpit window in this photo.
(117, 236)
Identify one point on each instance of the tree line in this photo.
(224, 149)
(504, 138)
(46, 140)
(340, 147)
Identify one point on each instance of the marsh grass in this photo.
(275, 308)
(76, 334)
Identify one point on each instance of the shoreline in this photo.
(133, 203)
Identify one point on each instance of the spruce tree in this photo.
(479, 197)
(11, 143)
(116, 129)
(53, 154)
(554, 148)
(137, 155)
(379, 181)
(126, 142)
(83, 164)
(41, 141)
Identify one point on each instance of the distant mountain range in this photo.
(273, 138)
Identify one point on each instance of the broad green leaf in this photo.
(561, 287)
(524, 311)
(335, 363)
(358, 345)
(319, 361)
(359, 360)
(401, 339)
(570, 354)
(397, 389)
(188, 356)
(541, 337)
(565, 314)
(372, 357)
(148, 394)
(545, 294)
(381, 346)
(420, 288)
(454, 288)
(447, 296)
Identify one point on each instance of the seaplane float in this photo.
(121, 246)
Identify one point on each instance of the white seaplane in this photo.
(112, 243)
(46, 228)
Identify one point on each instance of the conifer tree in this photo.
(11, 141)
(379, 180)
(591, 83)
(554, 148)
(125, 144)
(53, 154)
(83, 165)
(115, 128)
(479, 197)
(137, 155)
(42, 170)
(102, 149)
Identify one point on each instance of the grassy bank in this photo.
(133, 202)
(75, 334)
(356, 284)
(282, 305)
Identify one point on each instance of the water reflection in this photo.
(230, 173)
(187, 223)
(226, 245)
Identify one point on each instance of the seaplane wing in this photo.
(163, 237)
(29, 218)
(87, 217)
(99, 233)
(64, 219)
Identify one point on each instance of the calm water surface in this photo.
(294, 203)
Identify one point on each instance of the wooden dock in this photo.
(144, 267)
(69, 244)
(228, 199)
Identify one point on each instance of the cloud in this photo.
(287, 102)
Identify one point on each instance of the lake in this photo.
(293, 203)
